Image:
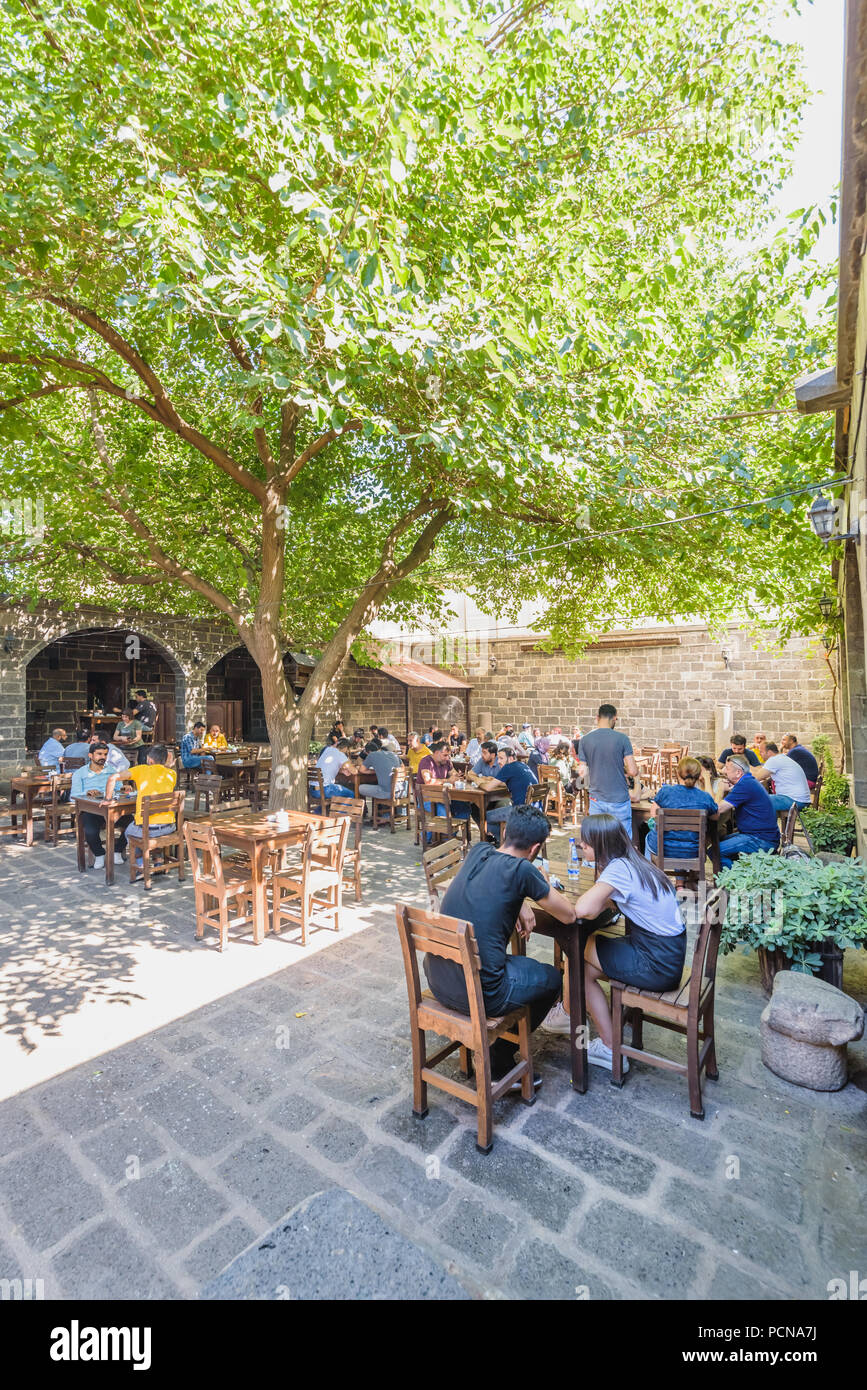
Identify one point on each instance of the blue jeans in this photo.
(193, 761)
(135, 832)
(782, 803)
(527, 981)
(730, 848)
(332, 789)
(621, 809)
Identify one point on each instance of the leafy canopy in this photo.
(385, 258)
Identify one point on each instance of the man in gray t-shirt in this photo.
(380, 761)
(606, 758)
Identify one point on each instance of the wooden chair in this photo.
(441, 862)
(386, 808)
(56, 811)
(559, 802)
(70, 764)
(258, 785)
(314, 896)
(688, 1010)
(438, 821)
(216, 883)
(207, 785)
(537, 796)
(150, 846)
(474, 1032)
(670, 822)
(315, 783)
(353, 809)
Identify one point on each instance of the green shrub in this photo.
(831, 832)
(791, 905)
(314, 748)
(835, 788)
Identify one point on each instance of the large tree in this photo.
(308, 306)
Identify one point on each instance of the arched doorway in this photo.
(69, 676)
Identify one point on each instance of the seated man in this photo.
(329, 762)
(151, 779)
(96, 781)
(517, 776)
(215, 738)
(790, 780)
(52, 750)
(115, 762)
(756, 817)
(487, 765)
(388, 741)
(383, 762)
(801, 755)
(192, 741)
(739, 750)
(437, 767)
(81, 747)
(416, 750)
(489, 891)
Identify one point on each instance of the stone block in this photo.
(173, 1203)
(477, 1232)
(45, 1195)
(104, 1263)
(270, 1176)
(542, 1272)
(804, 1031)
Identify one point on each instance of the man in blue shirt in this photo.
(756, 817)
(52, 750)
(795, 750)
(516, 775)
(191, 741)
(97, 781)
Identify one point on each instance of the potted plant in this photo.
(797, 914)
(830, 832)
(835, 788)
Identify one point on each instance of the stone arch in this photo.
(60, 628)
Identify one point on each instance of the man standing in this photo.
(189, 743)
(490, 890)
(757, 820)
(525, 737)
(794, 749)
(790, 780)
(94, 780)
(605, 757)
(738, 750)
(52, 750)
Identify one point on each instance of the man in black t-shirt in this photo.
(738, 750)
(489, 891)
(145, 710)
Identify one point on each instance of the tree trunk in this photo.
(289, 729)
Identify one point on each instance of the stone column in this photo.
(13, 705)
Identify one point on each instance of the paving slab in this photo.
(335, 1247)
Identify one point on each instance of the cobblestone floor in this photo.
(198, 1114)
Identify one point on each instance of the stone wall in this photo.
(666, 691)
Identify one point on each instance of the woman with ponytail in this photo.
(651, 954)
(687, 794)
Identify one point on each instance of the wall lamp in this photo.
(822, 516)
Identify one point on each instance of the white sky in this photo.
(816, 172)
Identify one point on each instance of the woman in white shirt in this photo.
(652, 953)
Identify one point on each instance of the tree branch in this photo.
(318, 445)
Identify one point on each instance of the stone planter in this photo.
(804, 1031)
(770, 963)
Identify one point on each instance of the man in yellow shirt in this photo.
(416, 750)
(151, 779)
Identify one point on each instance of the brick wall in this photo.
(664, 692)
(363, 694)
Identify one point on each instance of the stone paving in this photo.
(195, 1119)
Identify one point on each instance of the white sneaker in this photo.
(118, 858)
(99, 861)
(557, 1021)
(601, 1056)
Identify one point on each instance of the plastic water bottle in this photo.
(574, 861)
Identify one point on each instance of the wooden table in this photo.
(259, 837)
(28, 786)
(111, 814)
(572, 938)
(88, 717)
(479, 797)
